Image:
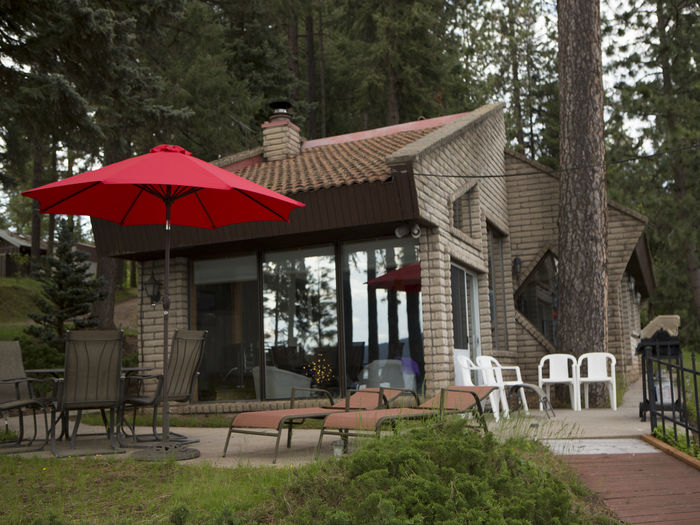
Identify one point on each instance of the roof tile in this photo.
(331, 165)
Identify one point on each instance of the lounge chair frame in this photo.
(276, 420)
(438, 406)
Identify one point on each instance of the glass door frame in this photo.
(470, 283)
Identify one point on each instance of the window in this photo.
(300, 321)
(465, 311)
(537, 298)
(226, 304)
(382, 314)
(497, 289)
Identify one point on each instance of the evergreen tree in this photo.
(582, 243)
(656, 45)
(67, 294)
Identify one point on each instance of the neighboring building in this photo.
(14, 253)
(416, 239)
(13, 245)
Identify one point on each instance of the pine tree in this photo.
(583, 272)
(656, 46)
(67, 294)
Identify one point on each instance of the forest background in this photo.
(84, 83)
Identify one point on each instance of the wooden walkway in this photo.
(642, 488)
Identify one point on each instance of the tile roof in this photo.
(334, 161)
(332, 165)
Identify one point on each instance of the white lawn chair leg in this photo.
(504, 402)
(613, 394)
(585, 394)
(495, 405)
(524, 400)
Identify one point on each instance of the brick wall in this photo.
(534, 207)
(151, 319)
(472, 146)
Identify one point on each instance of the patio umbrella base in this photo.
(163, 451)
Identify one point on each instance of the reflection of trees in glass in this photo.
(537, 297)
(299, 302)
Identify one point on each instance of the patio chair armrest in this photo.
(137, 381)
(304, 389)
(515, 369)
(402, 392)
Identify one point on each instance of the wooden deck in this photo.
(642, 488)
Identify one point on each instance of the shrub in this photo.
(442, 472)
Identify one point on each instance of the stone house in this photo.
(416, 240)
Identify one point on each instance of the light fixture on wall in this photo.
(517, 268)
(402, 230)
(152, 289)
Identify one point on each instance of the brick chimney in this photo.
(281, 138)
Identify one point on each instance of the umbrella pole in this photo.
(166, 309)
(166, 449)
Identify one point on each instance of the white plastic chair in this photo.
(596, 366)
(463, 377)
(560, 372)
(492, 372)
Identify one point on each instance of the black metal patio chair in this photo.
(17, 394)
(91, 380)
(185, 358)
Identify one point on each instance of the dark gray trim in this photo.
(333, 214)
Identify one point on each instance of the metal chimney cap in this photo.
(280, 106)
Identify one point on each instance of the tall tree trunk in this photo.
(392, 97)
(37, 171)
(52, 218)
(515, 73)
(373, 327)
(678, 167)
(310, 75)
(293, 51)
(321, 75)
(132, 274)
(583, 269)
(109, 268)
(392, 309)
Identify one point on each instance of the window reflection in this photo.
(300, 321)
(226, 297)
(382, 314)
(537, 297)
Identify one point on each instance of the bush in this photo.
(442, 472)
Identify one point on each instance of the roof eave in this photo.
(408, 154)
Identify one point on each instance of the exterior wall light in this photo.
(152, 289)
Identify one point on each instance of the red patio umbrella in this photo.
(166, 186)
(404, 279)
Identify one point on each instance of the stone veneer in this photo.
(470, 146)
(533, 208)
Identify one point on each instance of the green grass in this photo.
(110, 490)
(123, 294)
(17, 299)
(440, 472)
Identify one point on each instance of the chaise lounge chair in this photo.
(272, 422)
(452, 400)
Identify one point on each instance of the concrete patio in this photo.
(591, 431)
